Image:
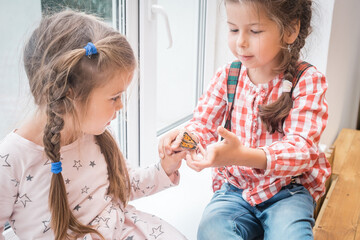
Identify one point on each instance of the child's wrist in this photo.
(168, 172)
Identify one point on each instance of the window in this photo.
(23, 18)
(101, 8)
(169, 81)
(171, 68)
(14, 97)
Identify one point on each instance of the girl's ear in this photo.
(291, 35)
(70, 94)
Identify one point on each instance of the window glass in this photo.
(17, 23)
(177, 66)
(101, 8)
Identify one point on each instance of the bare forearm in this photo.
(253, 157)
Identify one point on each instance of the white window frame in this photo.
(137, 122)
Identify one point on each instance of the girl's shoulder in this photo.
(223, 71)
(310, 80)
(14, 150)
(18, 144)
(309, 70)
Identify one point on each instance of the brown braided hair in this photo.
(286, 14)
(56, 64)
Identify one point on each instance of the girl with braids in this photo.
(268, 171)
(62, 174)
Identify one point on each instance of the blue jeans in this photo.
(287, 215)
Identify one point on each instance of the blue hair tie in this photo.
(56, 167)
(90, 49)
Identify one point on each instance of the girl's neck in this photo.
(265, 73)
(33, 130)
(261, 76)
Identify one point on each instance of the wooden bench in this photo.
(338, 217)
(330, 154)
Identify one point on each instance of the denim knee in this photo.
(214, 228)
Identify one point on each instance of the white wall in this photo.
(343, 71)
(334, 48)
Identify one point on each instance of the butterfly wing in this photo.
(187, 145)
(188, 142)
(187, 137)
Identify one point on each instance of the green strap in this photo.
(233, 78)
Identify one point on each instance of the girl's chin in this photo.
(97, 132)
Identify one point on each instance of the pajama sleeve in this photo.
(150, 180)
(9, 184)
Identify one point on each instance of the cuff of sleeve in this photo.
(173, 179)
(270, 163)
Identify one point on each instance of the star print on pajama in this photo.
(25, 178)
(4, 160)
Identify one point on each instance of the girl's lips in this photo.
(111, 120)
(245, 58)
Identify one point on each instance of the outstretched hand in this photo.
(224, 153)
(170, 142)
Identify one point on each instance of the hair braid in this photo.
(56, 66)
(274, 114)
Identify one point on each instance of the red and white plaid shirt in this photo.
(292, 154)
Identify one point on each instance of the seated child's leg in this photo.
(141, 225)
(228, 216)
(289, 214)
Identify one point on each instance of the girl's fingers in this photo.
(166, 142)
(176, 143)
(161, 148)
(197, 161)
(191, 163)
(226, 134)
(202, 150)
(180, 155)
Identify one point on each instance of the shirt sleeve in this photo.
(211, 108)
(217, 179)
(150, 180)
(209, 114)
(297, 152)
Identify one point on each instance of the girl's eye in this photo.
(115, 98)
(234, 30)
(256, 32)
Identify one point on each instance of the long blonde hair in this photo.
(55, 63)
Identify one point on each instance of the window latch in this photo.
(157, 9)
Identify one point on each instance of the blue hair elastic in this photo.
(56, 167)
(90, 49)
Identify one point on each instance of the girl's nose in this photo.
(120, 101)
(241, 41)
(119, 106)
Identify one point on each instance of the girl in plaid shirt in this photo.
(268, 171)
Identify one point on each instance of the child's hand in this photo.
(168, 140)
(171, 163)
(224, 153)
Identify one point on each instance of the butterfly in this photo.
(188, 142)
